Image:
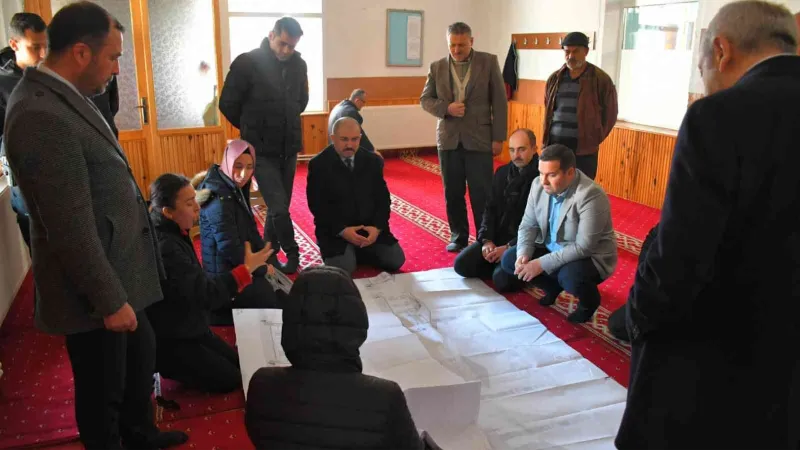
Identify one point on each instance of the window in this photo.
(251, 20)
(655, 65)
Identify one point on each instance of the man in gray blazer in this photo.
(465, 90)
(566, 239)
(95, 260)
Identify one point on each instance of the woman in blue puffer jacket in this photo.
(227, 222)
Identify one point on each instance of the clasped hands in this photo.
(458, 109)
(351, 235)
(491, 253)
(527, 270)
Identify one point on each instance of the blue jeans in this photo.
(580, 278)
(23, 217)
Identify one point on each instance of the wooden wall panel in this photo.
(136, 152)
(381, 102)
(530, 91)
(377, 87)
(633, 164)
(192, 151)
(315, 133)
(41, 7)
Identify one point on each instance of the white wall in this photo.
(547, 16)
(355, 34)
(708, 9)
(13, 252)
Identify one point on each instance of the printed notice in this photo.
(414, 37)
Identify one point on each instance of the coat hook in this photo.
(547, 41)
(524, 41)
(536, 41)
(561, 41)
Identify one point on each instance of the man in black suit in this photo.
(713, 313)
(350, 202)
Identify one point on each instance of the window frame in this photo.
(227, 59)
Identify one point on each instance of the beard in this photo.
(574, 64)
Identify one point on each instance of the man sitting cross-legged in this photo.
(348, 197)
(501, 218)
(566, 240)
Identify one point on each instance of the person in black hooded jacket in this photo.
(186, 349)
(323, 400)
(27, 47)
(503, 214)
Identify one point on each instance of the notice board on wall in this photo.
(404, 38)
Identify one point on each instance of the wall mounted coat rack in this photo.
(545, 41)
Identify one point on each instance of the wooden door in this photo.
(163, 86)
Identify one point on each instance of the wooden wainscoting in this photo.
(191, 150)
(135, 147)
(378, 87)
(315, 132)
(634, 163)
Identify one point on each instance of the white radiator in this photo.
(400, 126)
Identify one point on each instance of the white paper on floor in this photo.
(478, 373)
(536, 391)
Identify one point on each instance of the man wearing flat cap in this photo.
(581, 105)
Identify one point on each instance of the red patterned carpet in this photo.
(36, 390)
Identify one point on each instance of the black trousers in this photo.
(258, 295)
(587, 164)
(275, 176)
(113, 375)
(470, 264)
(580, 278)
(206, 363)
(461, 167)
(23, 217)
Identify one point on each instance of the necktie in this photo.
(349, 163)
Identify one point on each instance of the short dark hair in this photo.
(529, 132)
(561, 153)
(164, 191)
(83, 22)
(459, 28)
(288, 24)
(24, 21)
(357, 93)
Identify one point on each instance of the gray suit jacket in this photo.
(94, 247)
(486, 108)
(584, 227)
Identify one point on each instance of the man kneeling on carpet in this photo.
(323, 400)
(348, 197)
(186, 349)
(503, 214)
(566, 239)
(227, 224)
